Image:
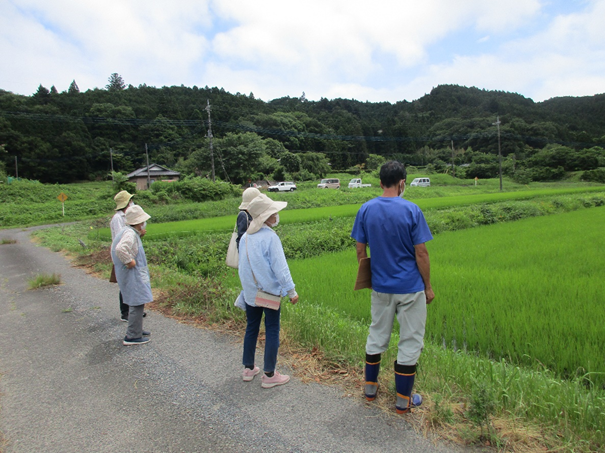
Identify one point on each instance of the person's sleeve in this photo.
(128, 247)
(279, 265)
(421, 232)
(358, 233)
(114, 227)
(242, 226)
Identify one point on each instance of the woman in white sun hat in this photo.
(263, 266)
(132, 273)
(123, 202)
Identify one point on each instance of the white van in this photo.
(333, 183)
(421, 182)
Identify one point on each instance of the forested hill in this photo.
(67, 136)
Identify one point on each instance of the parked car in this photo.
(286, 186)
(421, 182)
(356, 184)
(329, 184)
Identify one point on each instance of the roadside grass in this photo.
(43, 280)
(8, 241)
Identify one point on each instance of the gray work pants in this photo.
(135, 321)
(410, 311)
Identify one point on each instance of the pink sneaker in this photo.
(249, 374)
(276, 379)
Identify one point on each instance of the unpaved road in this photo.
(68, 385)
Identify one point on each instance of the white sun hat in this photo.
(261, 208)
(249, 194)
(136, 215)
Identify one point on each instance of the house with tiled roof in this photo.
(154, 173)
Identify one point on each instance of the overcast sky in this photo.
(381, 50)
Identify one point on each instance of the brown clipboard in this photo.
(364, 275)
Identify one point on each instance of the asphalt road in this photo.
(68, 385)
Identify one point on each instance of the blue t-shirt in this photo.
(392, 227)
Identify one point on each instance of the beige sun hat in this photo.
(261, 208)
(249, 194)
(122, 199)
(136, 215)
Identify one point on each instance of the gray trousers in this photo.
(135, 321)
(410, 310)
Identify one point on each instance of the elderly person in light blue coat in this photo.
(130, 263)
(263, 266)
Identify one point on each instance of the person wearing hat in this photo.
(130, 263)
(123, 202)
(244, 217)
(262, 265)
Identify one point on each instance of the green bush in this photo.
(596, 175)
(522, 176)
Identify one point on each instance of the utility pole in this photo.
(148, 178)
(453, 166)
(497, 123)
(210, 138)
(111, 161)
(16, 169)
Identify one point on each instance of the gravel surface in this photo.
(68, 385)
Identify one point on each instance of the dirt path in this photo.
(68, 385)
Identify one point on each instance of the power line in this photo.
(284, 133)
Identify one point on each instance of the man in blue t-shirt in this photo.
(396, 232)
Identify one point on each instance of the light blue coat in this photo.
(265, 255)
(134, 283)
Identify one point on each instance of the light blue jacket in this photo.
(134, 283)
(265, 255)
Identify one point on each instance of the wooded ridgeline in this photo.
(67, 136)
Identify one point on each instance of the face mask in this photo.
(403, 191)
(144, 227)
(274, 224)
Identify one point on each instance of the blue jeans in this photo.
(253, 316)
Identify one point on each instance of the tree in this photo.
(291, 162)
(374, 162)
(42, 95)
(73, 88)
(240, 155)
(116, 83)
(316, 163)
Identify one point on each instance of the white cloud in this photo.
(146, 42)
(327, 48)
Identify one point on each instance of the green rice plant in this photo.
(43, 280)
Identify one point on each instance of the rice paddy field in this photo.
(193, 227)
(530, 292)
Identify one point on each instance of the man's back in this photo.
(392, 226)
